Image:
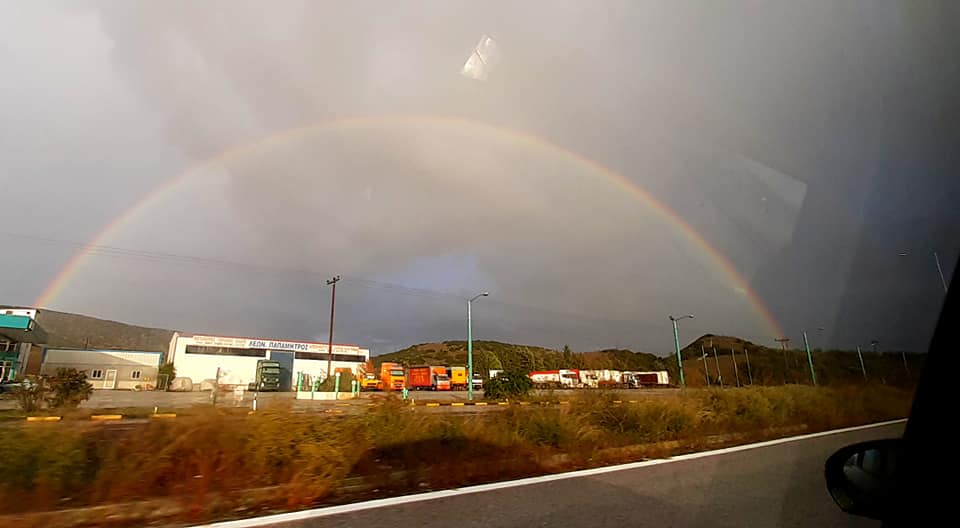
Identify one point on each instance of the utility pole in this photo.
(783, 344)
(333, 301)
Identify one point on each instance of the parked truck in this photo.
(425, 377)
(458, 378)
(440, 378)
(392, 376)
(268, 376)
(555, 379)
(369, 381)
(636, 380)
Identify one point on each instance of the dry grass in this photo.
(299, 459)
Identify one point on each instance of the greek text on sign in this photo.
(278, 345)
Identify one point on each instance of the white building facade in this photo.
(199, 357)
(106, 369)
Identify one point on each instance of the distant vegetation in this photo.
(768, 366)
(489, 355)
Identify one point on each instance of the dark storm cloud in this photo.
(803, 142)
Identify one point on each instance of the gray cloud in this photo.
(779, 133)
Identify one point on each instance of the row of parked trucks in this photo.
(580, 378)
(394, 376)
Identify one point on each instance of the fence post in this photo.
(749, 372)
(706, 368)
(717, 360)
(736, 372)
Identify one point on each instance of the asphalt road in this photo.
(777, 485)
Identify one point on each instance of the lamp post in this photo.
(676, 340)
(806, 345)
(470, 343)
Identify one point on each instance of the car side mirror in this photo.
(861, 477)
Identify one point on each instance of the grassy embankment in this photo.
(216, 464)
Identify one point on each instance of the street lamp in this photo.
(676, 340)
(470, 343)
(936, 260)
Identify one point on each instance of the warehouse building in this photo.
(26, 332)
(107, 369)
(202, 357)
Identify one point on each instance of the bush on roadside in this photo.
(165, 375)
(330, 384)
(64, 390)
(508, 384)
(32, 394)
(68, 388)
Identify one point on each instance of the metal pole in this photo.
(749, 372)
(806, 345)
(706, 369)
(940, 271)
(717, 359)
(470, 350)
(862, 368)
(676, 340)
(333, 301)
(903, 354)
(736, 372)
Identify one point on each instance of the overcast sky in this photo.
(808, 145)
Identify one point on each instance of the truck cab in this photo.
(392, 376)
(441, 382)
(370, 382)
(268, 376)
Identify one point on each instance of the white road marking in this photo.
(420, 497)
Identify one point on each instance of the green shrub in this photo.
(68, 388)
(509, 384)
(64, 390)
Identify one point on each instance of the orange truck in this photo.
(441, 381)
(392, 376)
(458, 378)
(428, 378)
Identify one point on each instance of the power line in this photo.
(100, 250)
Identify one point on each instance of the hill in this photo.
(70, 330)
(735, 359)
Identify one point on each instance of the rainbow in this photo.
(158, 194)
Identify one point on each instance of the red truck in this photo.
(428, 378)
